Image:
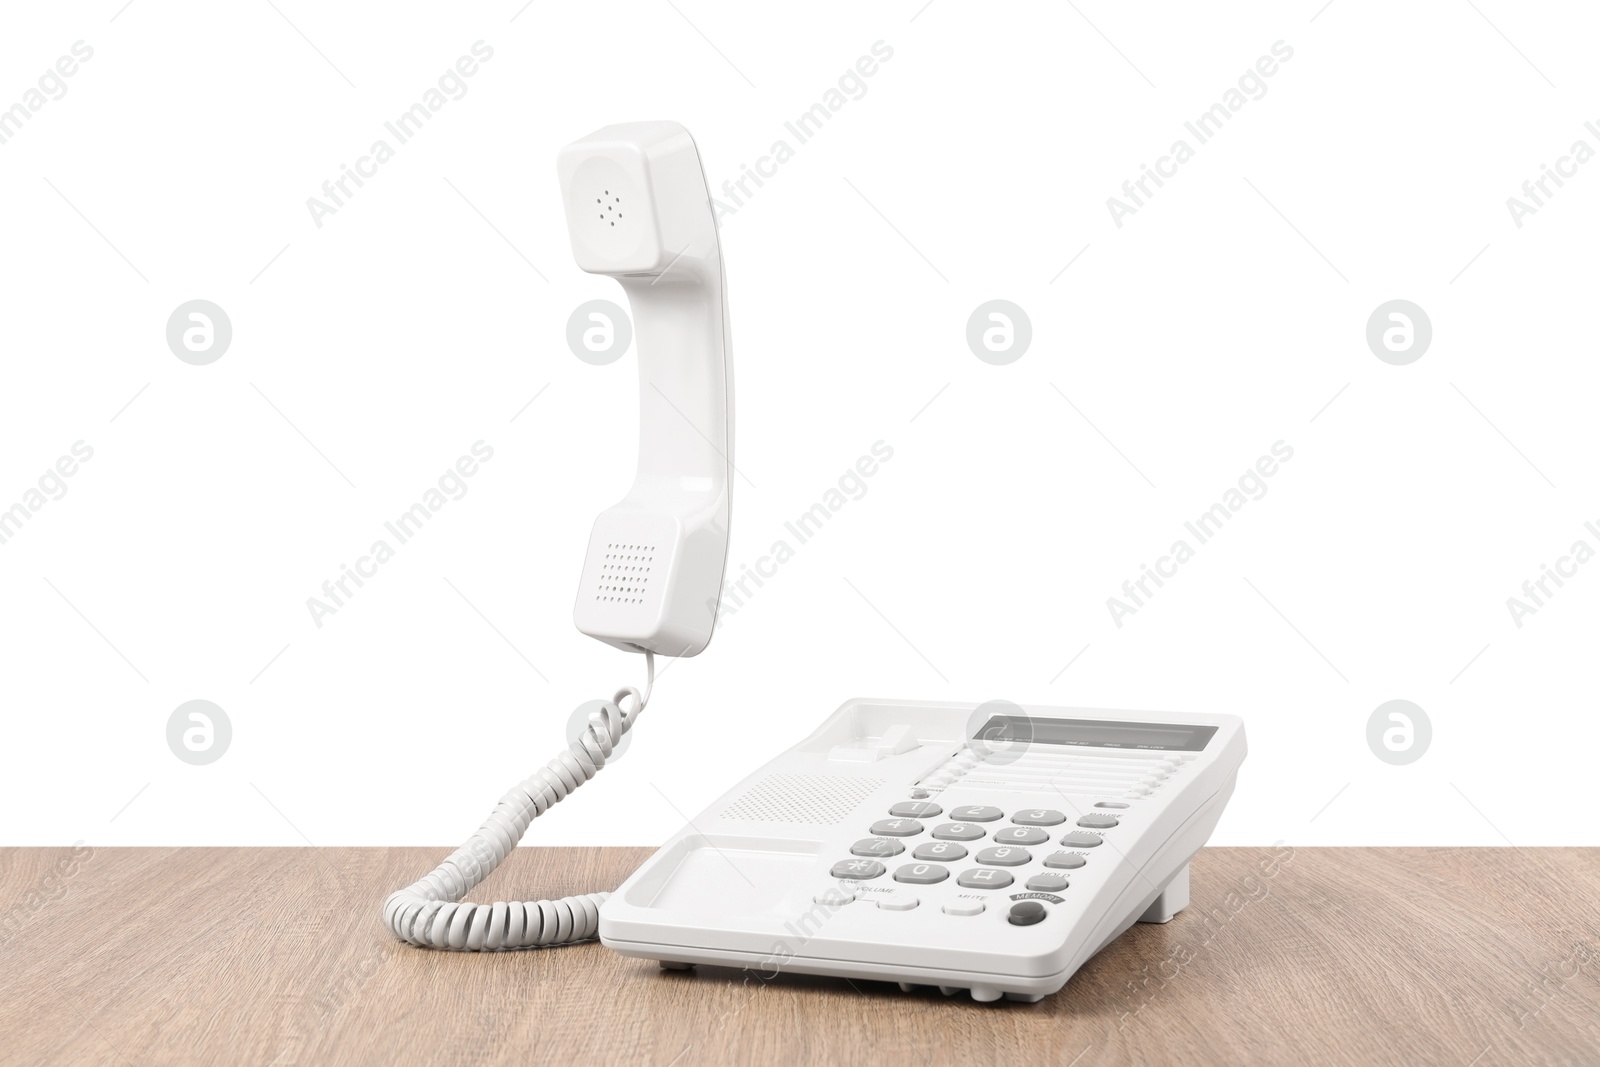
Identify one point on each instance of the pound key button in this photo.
(1026, 913)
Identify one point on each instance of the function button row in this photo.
(1098, 822)
(958, 831)
(896, 828)
(915, 809)
(948, 851)
(1047, 883)
(882, 847)
(1021, 835)
(1079, 839)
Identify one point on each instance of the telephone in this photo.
(906, 841)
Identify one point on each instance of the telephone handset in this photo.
(638, 210)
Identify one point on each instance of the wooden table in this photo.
(267, 955)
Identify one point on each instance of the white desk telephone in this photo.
(989, 848)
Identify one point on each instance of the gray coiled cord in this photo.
(431, 913)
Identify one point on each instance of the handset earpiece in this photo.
(638, 210)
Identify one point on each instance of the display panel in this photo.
(1096, 733)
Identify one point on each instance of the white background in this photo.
(1222, 317)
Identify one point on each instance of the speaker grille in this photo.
(625, 573)
(820, 799)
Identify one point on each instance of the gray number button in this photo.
(1005, 856)
(916, 809)
(882, 847)
(984, 878)
(957, 831)
(1098, 822)
(977, 813)
(896, 828)
(1079, 839)
(1048, 883)
(939, 850)
(857, 869)
(1066, 861)
(1039, 817)
(1021, 835)
(921, 873)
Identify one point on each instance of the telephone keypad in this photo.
(932, 857)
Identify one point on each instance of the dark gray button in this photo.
(1039, 817)
(915, 809)
(857, 869)
(1048, 883)
(1005, 856)
(939, 850)
(1066, 861)
(1079, 839)
(957, 831)
(921, 873)
(1021, 835)
(1098, 822)
(896, 828)
(977, 813)
(1026, 913)
(883, 847)
(1109, 804)
(984, 878)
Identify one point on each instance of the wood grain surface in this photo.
(277, 956)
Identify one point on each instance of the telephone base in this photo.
(1174, 898)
